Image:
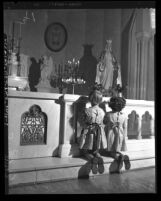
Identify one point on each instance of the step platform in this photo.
(50, 169)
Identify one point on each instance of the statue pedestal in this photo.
(47, 89)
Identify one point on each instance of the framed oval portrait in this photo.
(55, 37)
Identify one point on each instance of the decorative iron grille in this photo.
(33, 127)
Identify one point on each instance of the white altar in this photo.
(62, 128)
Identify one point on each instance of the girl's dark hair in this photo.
(95, 97)
(117, 103)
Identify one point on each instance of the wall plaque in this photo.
(55, 37)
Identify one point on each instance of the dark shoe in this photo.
(120, 162)
(127, 162)
(101, 168)
(89, 157)
(97, 155)
(88, 167)
(94, 165)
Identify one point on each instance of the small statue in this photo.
(46, 69)
(104, 74)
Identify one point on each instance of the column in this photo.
(142, 64)
(139, 129)
(68, 146)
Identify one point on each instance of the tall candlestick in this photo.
(78, 66)
(59, 69)
(55, 69)
(13, 32)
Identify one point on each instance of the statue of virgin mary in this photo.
(108, 70)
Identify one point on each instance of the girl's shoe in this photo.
(127, 162)
(101, 168)
(88, 167)
(94, 165)
(120, 161)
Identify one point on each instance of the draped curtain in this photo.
(138, 56)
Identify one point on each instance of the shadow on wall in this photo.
(75, 121)
(34, 74)
(87, 67)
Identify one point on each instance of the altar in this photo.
(43, 135)
(45, 124)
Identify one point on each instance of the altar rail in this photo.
(45, 124)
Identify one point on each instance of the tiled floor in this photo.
(138, 181)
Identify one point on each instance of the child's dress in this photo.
(116, 131)
(93, 136)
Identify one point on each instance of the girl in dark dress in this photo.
(93, 137)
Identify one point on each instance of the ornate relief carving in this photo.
(134, 126)
(147, 125)
(33, 127)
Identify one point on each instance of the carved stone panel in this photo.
(147, 125)
(33, 127)
(133, 125)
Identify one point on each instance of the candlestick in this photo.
(67, 74)
(13, 30)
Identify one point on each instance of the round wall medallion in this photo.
(55, 37)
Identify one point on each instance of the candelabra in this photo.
(67, 75)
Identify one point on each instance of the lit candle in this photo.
(78, 67)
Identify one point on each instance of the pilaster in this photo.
(142, 64)
(68, 146)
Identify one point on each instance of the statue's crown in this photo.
(109, 41)
(108, 44)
